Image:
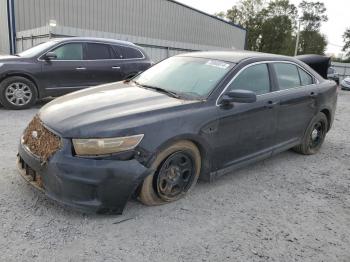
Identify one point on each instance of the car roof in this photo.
(94, 39)
(237, 56)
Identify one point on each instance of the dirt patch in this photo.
(39, 140)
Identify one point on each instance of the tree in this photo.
(279, 23)
(221, 15)
(312, 42)
(346, 37)
(247, 13)
(312, 16)
(271, 25)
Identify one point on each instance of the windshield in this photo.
(37, 50)
(189, 76)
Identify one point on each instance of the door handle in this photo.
(116, 67)
(81, 68)
(271, 104)
(313, 94)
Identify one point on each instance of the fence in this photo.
(343, 69)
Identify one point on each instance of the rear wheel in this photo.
(177, 172)
(17, 93)
(314, 136)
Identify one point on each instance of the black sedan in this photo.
(64, 65)
(197, 115)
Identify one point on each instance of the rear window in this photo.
(125, 52)
(305, 78)
(95, 51)
(287, 75)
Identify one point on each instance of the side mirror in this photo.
(239, 96)
(50, 56)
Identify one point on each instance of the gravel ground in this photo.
(287, 208)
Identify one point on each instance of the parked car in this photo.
(345, 84)
(333, 75)
(196, 115)
(61, 66)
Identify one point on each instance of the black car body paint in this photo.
(228, 137)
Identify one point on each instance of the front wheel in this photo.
(17, 93)
(314, 136)
(177, 171)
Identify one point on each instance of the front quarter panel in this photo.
(195, 122)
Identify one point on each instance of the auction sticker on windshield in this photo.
(217, 64)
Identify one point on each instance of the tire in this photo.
(17, 93)
(153, 192)
(314, 136)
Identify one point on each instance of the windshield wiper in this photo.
(170, 93)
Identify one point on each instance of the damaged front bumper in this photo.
(97, 185)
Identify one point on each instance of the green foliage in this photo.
(312, 15)
(346, 37)
(248, 14)
(272, 26)
(312, 42)
(277, 27)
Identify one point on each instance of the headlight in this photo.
(105, 146)
(1, 64)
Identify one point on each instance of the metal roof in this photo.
(212, 16)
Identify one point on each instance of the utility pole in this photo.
(297, 43)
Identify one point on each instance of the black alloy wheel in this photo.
(177, 169)
(175, 176)
(314, 135)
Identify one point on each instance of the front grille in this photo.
(39, 140)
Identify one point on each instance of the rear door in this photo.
(102, 64)
(133, 60)
(67, 72)
(247, 131)
(297, 97)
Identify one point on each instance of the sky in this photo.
(337, 11)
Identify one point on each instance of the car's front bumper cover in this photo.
(96, 185)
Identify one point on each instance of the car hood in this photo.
(105, 110)
(8, 58)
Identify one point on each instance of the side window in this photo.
(255, 78)
(305, 78)
(95, 51)
(128, 52)
(287, 75)
(72, 51)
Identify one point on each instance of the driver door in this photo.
(246, 130)
(67, 72)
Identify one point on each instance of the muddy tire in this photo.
(314, 136)
(177, 171)
(17, 93)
